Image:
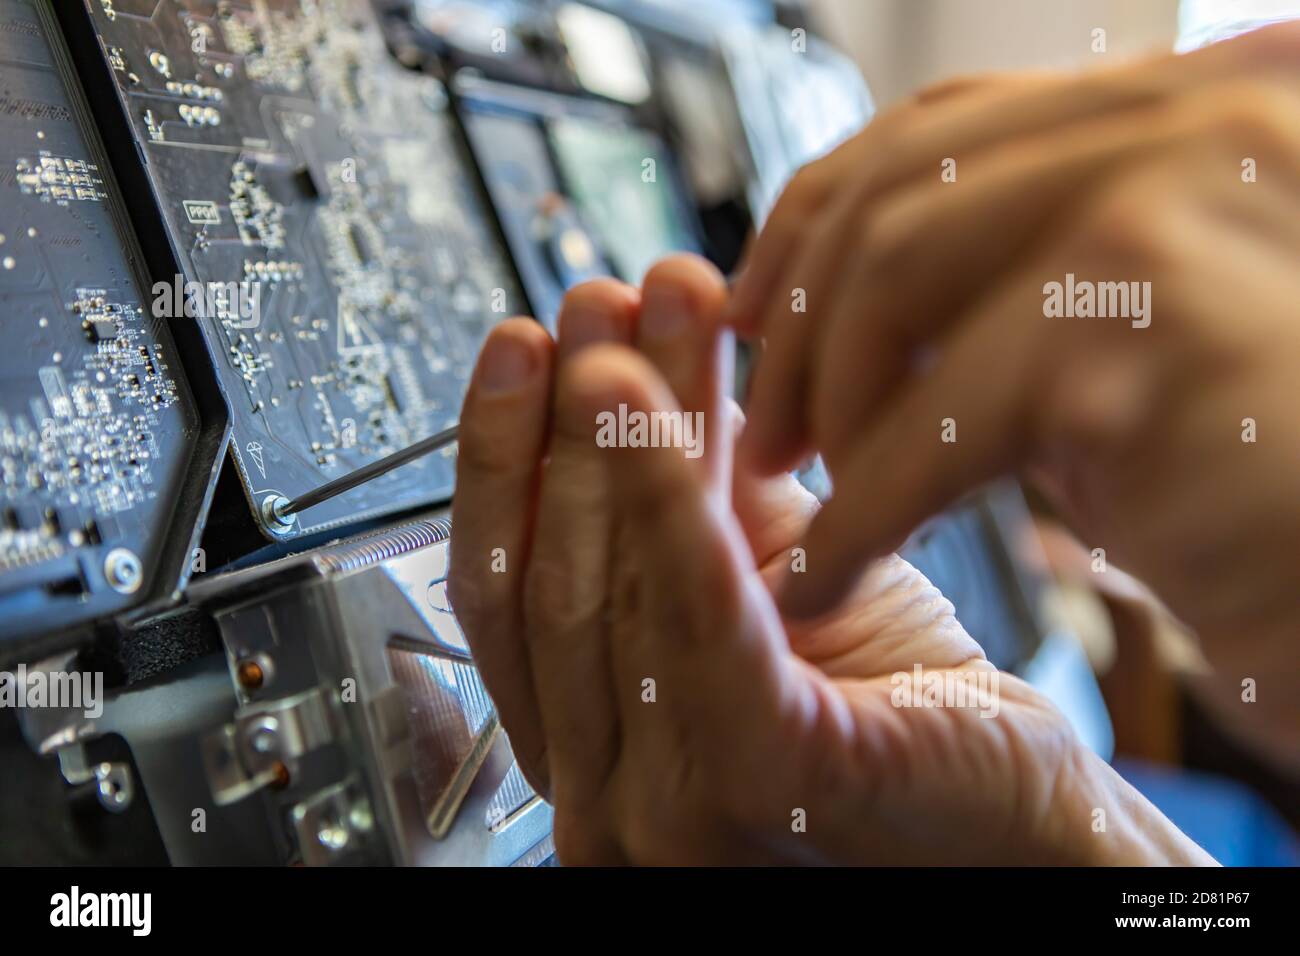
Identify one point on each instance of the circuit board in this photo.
(620, 178)
(335, 249)
(97, 425)
(581, 189)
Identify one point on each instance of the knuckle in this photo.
(556, 599)
(879, 237)
(1129, 223)
(803, 194)
(1252, 114)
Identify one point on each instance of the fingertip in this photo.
(763, 449)
(826, 577)
(743, 311)
(515, 354)
(686, 287)
(798, 600)
(599, 310)
(687, 267)
(524, 328)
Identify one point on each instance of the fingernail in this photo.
(582, 327)
(665, 311)
(507, 364)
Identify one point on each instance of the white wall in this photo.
(903, 45)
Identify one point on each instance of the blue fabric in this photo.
(1227, 819)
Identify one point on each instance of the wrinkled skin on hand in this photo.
(1172, 445)
(649, 685)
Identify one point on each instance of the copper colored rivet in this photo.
(250, 675)
(281, 776)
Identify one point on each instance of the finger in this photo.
(567, 583)
(773, 512)
(600, 310)
(803, 295)
(713, 646)
(890, 303)
(502, 437)
(680, 333)
(980, 83)
(781, 408)
(780, 435)
(941, 435)
(803, 200)
(796, 207)
(958, 124)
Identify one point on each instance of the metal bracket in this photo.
(330, 824)
(260, 747)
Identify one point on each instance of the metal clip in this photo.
(254, 752)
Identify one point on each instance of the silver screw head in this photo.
(273, 514)
(123, 571)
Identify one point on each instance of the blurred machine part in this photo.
(105, 454)
(580, 188)
(516, 41)
(747, 93)
(626, 184)
(693, 107)
(606, 53)
(799, 99)
(343, 722)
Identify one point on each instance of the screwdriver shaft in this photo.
(332, 489)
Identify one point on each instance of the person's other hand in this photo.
(639, 664)
(1170, 446)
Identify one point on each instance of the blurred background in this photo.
(904, 45)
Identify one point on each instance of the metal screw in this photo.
(281, 779)
(263, 736)
(123, 571)
(114, 788)
(277, 522)
(360, 817)
(333, 834)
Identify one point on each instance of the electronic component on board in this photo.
(581, 189)
(97, 426)
(333, 245)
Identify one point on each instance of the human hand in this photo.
(927, 322)
(649, 686)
